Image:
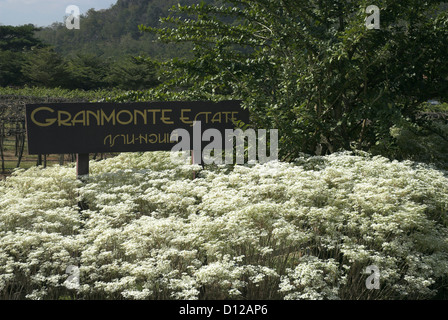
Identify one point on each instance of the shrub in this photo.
(302, 230)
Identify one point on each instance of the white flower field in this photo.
(148, 230)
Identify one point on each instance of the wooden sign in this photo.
(85, 128)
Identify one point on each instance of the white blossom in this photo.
(302, 230)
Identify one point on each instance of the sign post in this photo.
(82, 165)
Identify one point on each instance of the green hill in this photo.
(114, 32)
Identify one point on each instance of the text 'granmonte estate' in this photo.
(47, 116)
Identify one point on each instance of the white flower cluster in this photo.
(303, 230)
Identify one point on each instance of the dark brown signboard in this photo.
(122, 127)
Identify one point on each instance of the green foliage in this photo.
(424, 138)
(87, 72)
(100, 55)
(114, 32)
(11, 68)
(434, 107)
(135, 73)
(425, 142)
(15, 42)
(44, 67)
(311, 68)
(19, 38)
(57, 93)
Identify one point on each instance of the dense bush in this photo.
(305, 230)
(423, 140)
(311, 69)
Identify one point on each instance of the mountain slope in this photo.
(114, 32)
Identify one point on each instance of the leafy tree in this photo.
(14, 43)
(312, 69)
(44, 67)
(87, 71)
(11, 68)
(134, 73)
(19, 38)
